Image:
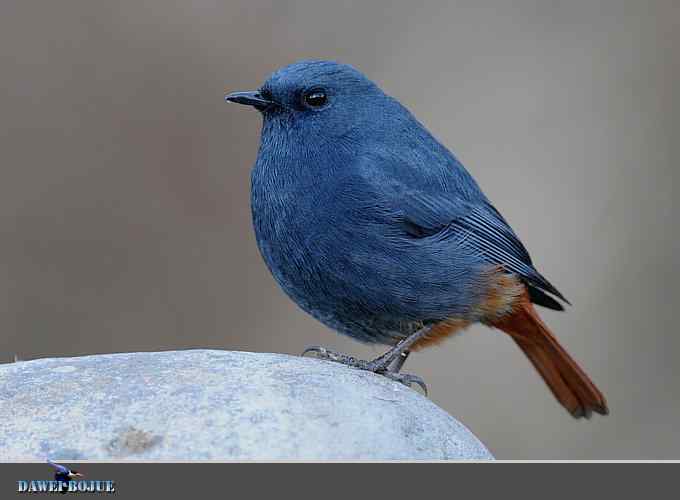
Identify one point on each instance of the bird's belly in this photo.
(323, 277)
(368, 295)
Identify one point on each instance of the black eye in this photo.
(315, 98)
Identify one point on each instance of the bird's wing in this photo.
(498, 244)
(59, 468)
(482, 228)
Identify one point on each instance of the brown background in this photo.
(124, 205)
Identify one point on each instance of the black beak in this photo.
(252, 98)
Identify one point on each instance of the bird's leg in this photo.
(399, 362)
(381, 365)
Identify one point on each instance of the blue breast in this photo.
(329, 248)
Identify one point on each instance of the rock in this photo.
(206, 404)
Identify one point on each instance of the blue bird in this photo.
(374, 228)
(63, 475)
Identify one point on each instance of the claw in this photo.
(420, 382)
(407, 380)
(316, 349)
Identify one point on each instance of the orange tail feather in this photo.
(570, 385)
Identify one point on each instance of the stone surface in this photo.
(223, 405)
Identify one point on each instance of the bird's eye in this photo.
(315, 98)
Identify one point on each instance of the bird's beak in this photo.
(76, 474)
(250, 98)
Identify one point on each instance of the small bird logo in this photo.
(63, 475)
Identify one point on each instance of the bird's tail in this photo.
(570, 385)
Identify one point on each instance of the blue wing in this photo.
(426, 190)
(480, 226)
(58, 467)
(498, 244)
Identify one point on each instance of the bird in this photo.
(63, 475)
(377, 230)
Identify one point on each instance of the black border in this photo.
(455, 480)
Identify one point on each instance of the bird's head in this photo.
(317, 98)
(74, 474)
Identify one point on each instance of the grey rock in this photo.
(206, 404)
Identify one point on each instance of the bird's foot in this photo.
(382, 365)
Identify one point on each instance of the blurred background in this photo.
(124, 187)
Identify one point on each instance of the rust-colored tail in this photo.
(570, 385)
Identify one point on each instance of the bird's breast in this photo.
(331, 249)
(290, 222)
